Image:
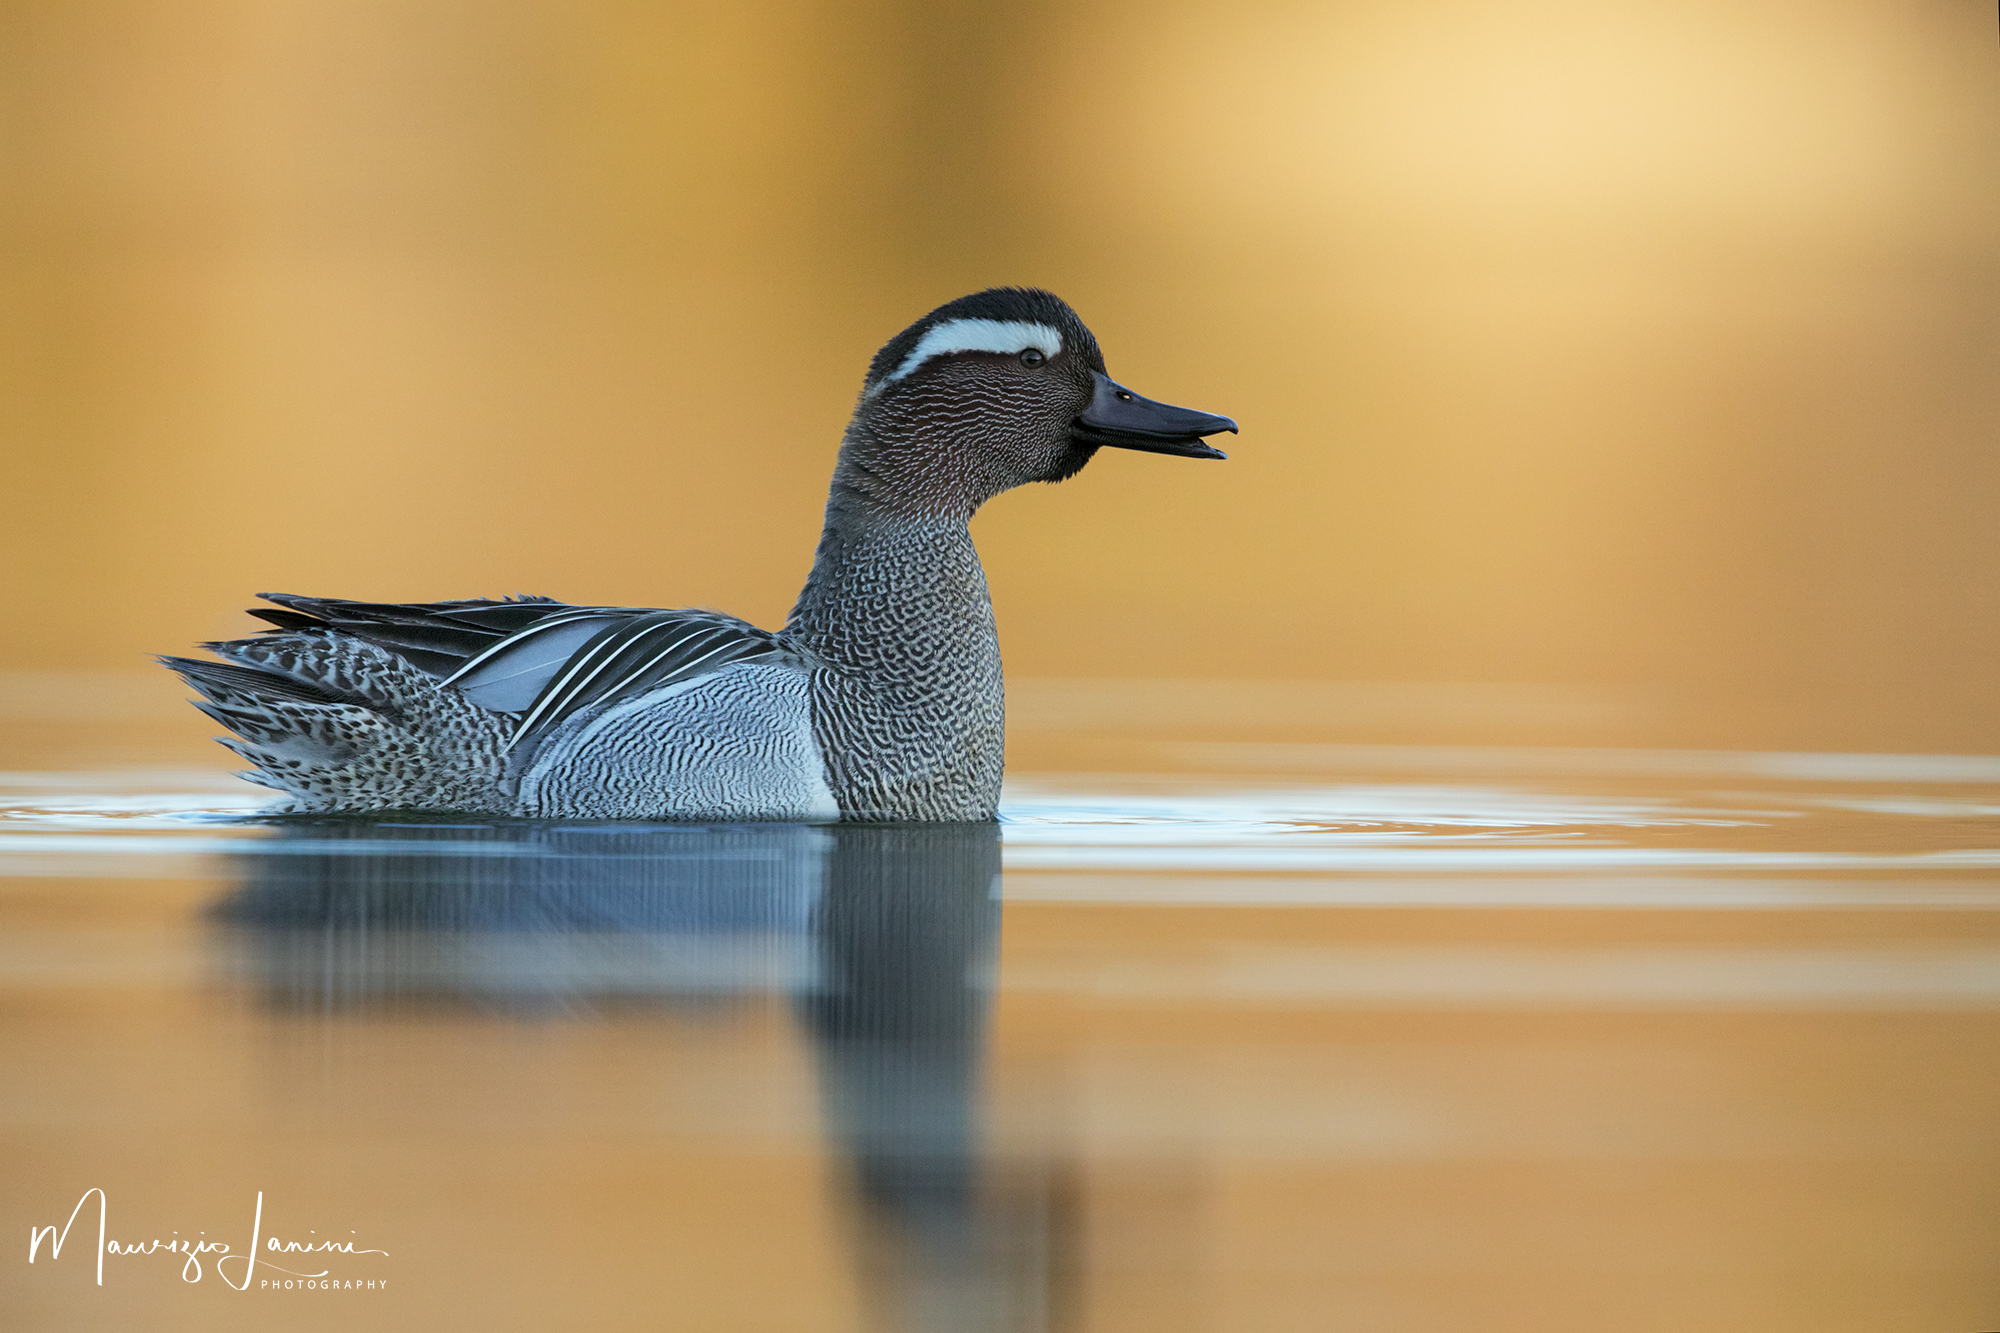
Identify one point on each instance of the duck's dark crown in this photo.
(1029, 305)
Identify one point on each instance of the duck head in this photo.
(992, 391)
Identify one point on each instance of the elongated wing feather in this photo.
(643, 653)
(435, 637)
(508, 676)
(544, 659)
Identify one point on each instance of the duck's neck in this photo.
(909, 710)
(896, 591)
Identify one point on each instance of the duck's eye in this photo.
(1032, 357)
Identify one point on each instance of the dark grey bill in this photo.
(1123, 420)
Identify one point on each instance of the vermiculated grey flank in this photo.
(881, 699)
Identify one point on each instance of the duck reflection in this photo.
(344, 913)
(884, 937)
(907, 929)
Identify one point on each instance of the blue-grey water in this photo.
(1314, 1037)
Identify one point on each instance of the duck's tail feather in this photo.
(341, 724)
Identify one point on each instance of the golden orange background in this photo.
(1645, 348)
(1611, 372)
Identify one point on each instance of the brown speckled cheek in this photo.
(1016, 423)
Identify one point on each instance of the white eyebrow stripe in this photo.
(978, 335)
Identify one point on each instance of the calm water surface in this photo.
(1301, 1037)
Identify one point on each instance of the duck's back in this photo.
(528, 707)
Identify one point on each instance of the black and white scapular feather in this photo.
(881, 698)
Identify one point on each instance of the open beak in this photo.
(1121, 419)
